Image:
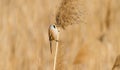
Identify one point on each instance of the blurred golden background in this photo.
(92, 45)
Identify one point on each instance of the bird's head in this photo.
(53, 26)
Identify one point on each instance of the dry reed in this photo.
(70, 12)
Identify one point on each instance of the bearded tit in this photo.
(53, 34)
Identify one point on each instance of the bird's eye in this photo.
(54, 26)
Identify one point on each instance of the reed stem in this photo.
(56, 52)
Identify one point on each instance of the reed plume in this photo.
(70, 12)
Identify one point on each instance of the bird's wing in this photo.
(49, 34)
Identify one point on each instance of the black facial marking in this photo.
(54, 26)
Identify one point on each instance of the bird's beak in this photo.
(58, 29)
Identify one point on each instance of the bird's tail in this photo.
(51, 47)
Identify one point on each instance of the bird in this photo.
(53, 34)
